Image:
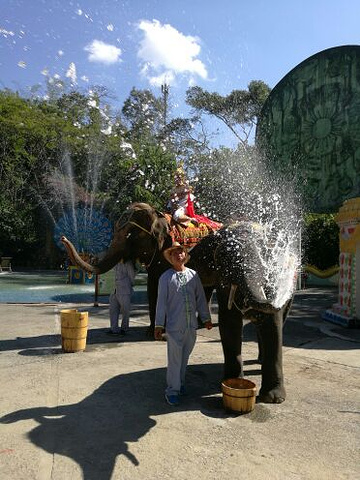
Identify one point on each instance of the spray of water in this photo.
(263, 214)
(72, 208)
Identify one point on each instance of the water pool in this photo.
(44, 287)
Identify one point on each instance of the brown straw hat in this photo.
(175, 245)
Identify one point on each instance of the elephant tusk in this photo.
(263, 294)
(232, 295)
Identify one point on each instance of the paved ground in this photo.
(101, 414)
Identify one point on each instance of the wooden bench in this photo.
(5, 264)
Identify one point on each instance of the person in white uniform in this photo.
(120, 299)
(180, 297)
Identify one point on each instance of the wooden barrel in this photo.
(239, 394)
(74, 326)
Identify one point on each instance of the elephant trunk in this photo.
(251, 305)
(104, 265)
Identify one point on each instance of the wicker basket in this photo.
(239, 394)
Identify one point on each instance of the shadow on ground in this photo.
(96, 430)
(51, 344)
(296, 335)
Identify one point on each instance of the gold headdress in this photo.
(180, 176)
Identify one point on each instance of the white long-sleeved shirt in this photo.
(124, 277)
(180, 297)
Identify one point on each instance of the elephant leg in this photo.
(208, 293)
(260, 347)
(231, 333)
(270, 335)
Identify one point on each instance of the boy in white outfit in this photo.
(180, 297)
(120, 300)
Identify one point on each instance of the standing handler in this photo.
(120, 299)
(180, 297)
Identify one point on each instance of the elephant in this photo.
(230, 260)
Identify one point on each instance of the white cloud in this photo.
(167, 77)
(166, 52)
(103, 52)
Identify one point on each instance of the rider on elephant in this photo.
(181, 203)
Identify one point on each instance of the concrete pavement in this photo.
(101, 414)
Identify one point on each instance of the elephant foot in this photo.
(275, 395)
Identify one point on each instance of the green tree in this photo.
(28, 139)
(239, 110)
(44, 142)
(153, 154)
(188, 139)
(321, 240)
(143, 114)
(70, 147)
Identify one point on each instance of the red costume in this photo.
(190, 212)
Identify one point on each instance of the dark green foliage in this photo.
(147, 177)
(28, 140)
(117, 158)
(111, 165)
(143, 114)
(321, 241)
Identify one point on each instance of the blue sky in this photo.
(220, 45)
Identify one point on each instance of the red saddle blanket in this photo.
(191, 234)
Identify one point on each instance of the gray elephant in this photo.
(235, 261)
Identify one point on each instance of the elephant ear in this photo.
(124, 219)
(160, 229)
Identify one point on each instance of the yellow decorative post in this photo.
(347, 311)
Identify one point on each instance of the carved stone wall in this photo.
(310, 125)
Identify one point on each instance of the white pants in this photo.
(179, 347)
(119, 303)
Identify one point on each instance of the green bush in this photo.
(320, 241)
